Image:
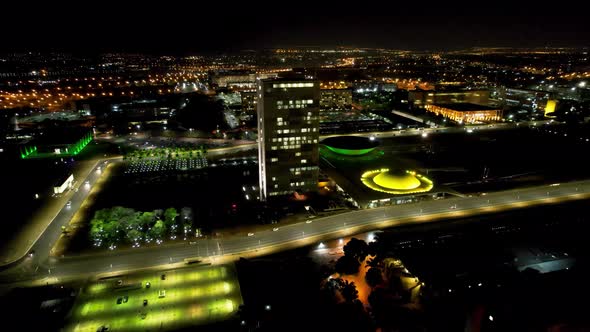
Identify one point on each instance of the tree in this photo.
(348, 291)
(158, 230)
(111, 230)
(103, 214)
(146, 218)
(96, 230)
(373, 277)
(347, 265)
(134, 235)
(128, 222)
(169, 216)
(119, 212)
(357, 249)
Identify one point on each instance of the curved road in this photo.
(300, 234)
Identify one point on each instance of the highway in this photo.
(446, 130)
(77, 195)
(296, 235)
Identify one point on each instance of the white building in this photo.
(64, 184)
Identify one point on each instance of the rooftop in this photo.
(465, 107)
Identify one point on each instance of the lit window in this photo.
(304, 161)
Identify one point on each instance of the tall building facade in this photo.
(288, 136)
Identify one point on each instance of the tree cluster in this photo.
(167, 153)
(110, 227)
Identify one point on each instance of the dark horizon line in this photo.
(116, 50)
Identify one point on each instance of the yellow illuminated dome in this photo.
(405, 181)
(386, 181)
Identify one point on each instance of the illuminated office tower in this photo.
(288, 134)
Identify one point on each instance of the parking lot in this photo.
(163, 300)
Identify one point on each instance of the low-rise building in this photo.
(426, 97)
(466, 112)
(64, 183)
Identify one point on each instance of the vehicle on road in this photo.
(308, 221)
(148, 285)
(145, 302)
(275, 229)
(119, 300)
(125, 299)
(69, 204)
(192, 260)
(31, 253)
(454, 206)
(250, 234)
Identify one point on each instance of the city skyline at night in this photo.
(293, 166)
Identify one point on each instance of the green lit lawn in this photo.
(193, 296)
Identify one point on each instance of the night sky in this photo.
(184, 28)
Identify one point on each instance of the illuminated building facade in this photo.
(249, 101)
(466, 112)
(335, 99)
(64, 183)
(531, 100)
(288, 135)
(550, 107)
(422, 97)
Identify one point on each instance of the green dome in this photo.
(350, 145)
(405, 181)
